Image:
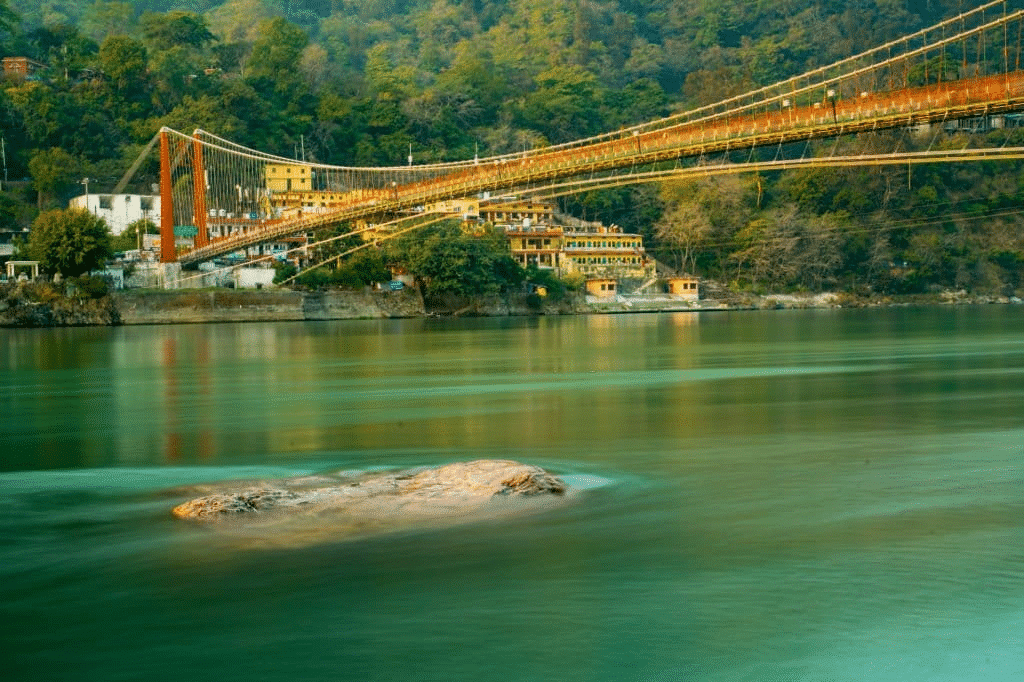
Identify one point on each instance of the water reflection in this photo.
(189, 394)
(808, 495)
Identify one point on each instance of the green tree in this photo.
(14, 213)
(106, 17)
(123, 60)
(565, 105)
(64, 48)
(175, 29)
(53, 171)
(472, 75)
(683, 231)
(8, 19)
(277, 56)
(207, 112)
(369, 266)
(131, 238)
(175, 71)
(69, 241)
(448, 261)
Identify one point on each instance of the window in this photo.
(106, 201)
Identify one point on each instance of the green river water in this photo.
(788, 495)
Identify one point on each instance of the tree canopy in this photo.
(449, 261)
(71, 242)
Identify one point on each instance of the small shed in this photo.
(601, 287)
(21, 68)
(686, 287)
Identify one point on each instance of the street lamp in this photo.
(85, 181)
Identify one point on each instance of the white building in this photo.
(120, 210)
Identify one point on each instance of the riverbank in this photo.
(43, 305)
(227, 305)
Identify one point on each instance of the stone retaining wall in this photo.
(171, 307)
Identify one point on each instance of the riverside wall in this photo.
(22, 307)
(184, 306)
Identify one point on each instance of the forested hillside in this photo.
(359, 81)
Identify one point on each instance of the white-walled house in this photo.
(120, 210)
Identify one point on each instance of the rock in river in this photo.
(335, 506)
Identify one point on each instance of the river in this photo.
(787, 495)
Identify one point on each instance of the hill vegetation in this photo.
(360, 81)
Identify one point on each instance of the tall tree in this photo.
(64, 48)
(277, 57)
(69, 241)
(449, 261)
(176, 29)
(8, 19)
(106, 17)
(52, 170)
(124, 61)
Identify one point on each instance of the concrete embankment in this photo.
(182, 306)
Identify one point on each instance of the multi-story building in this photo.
(288, 177)
(541, 237)
(120, 210)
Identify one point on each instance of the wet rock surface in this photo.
(333, 506)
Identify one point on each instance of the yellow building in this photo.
(589, 249)
(294, 188)
(285, 177)
(687, 287)
(517, 212)
(601, 286)
(606, 252)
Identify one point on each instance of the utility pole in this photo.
(3, 152)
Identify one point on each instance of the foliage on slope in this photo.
(360, 81)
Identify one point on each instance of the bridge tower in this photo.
(199, 187)
(167, 250)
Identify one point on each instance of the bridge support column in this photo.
(170, 274)
(168, 254)
(199, 193)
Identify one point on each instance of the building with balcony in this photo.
(541, 237)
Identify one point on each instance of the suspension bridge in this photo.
(967, 67)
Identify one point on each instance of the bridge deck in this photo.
(965, 98)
